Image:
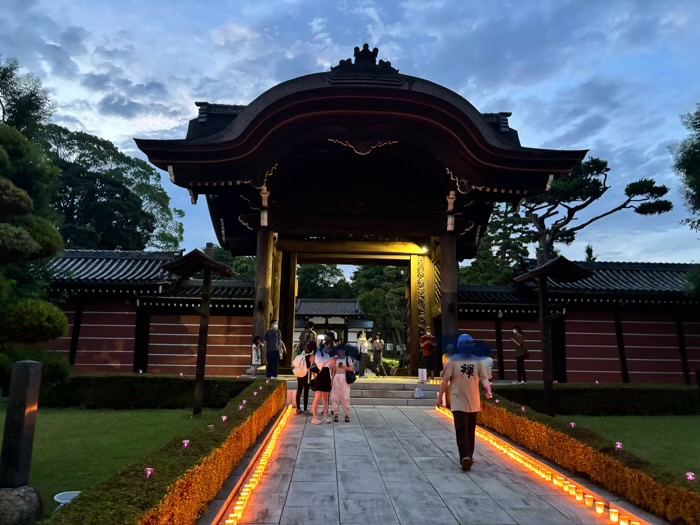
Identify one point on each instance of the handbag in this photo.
(300, 368)
(350, 376)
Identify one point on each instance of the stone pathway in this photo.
(398, 465)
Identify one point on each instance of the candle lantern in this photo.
(522, 409)
(260, 388)
(185, 443)
(614, 515)
(579, 495)
(618, 445)
(255, 394)
(240, 407)
(224, 419)
(624, 520)
(149, 472)
(690, 476)
(599, 507)
(588, 500)
(572, 424)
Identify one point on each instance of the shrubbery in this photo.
(54, 372)
(609, 400)
(585, 453)
(184, 482)
(131, 391)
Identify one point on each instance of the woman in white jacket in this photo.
(341, 388)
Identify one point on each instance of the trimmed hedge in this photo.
(585, 453)
(184, 480)
(609, 400)
(133, 391)
(55, 369)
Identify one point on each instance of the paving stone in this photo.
(497, 483)
(315, 471)
(478, 510)
(574, 513)
(320, 515)
(356, 463)
(430, 465)
(391, 471)
(310, 493)
(263, 508)
(425, 515)
(523, 503)
(546, 516)
(360, 483)
(448, 484)
(414, 494)
(367, 509)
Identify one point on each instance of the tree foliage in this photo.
(26, 238)
(323, 281)
(687, 165)
(500, 249)
(381, 291)
(24, 103)
(244, 266)
(590, 256)
(102, 190)
(554, 215)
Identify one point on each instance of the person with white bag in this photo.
(302, 370)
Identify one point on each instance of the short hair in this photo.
(360, 333)
(310, 324)
(256, 339)
(273, 321)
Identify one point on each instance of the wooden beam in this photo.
(357, 260)
(202, 343)
(546, 345)
(141, 337)
(75, 332)
(351, 247)
(620, 336)
(499, 348)
(680, 332)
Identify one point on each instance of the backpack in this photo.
(300, 368)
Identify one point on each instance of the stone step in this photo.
(380, 385)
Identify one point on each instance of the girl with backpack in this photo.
(302, 369)
(344, 376)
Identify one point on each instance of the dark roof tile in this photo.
(328, 307)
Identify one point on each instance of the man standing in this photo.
(462, 373)
(428, 344)
(362, 349)
(306, 337)
(377, 349)
(274, 346)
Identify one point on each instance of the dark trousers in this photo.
(520, 366)
(303, 384)
(273, 362)
(363, 363)
(378, 363)
(465, 430)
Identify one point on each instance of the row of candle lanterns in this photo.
(255, 479)
(561, 482)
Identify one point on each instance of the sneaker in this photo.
(299, 411)
(467, 464)
(327, 420)
(347, 419)
(335, 419)
(315, 421)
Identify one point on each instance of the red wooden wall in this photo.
(172, 344)
(591, 347)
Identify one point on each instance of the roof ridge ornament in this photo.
(365, 63)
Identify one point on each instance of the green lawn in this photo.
(75, 449)
(671, 442)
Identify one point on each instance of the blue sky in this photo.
(610, 76)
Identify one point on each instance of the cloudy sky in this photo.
(611, 76)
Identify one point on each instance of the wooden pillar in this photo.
(203, 336)
(546, 346)
(276, 284)
(263, 282)
(621, 346)
(143, 330)
(288, 302)
(413, 322)
(499, 348)
(448, 281)
(682, 349)
(75, 332)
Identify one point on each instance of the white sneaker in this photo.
(315, 421)
(326, 420)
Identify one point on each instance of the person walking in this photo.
(377, 348)
(521, 353)
(362, 349)
(256, 355)
(341, 388)
(462, 374)
(324, 368)
(428, 344)
(306, 337)
(303, 383)
(275, 348)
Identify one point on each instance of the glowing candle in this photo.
(245, 401)
(230, 522)
(614, 515)
(579, 495)
(572, 424)
(149, 472)
(185, 443)
(588, 500)
(260, 388)
(255, 394)
(498, 401)
(690, 476)
(240, 407)
(522, 409)
(548, 475)
(565, 486)
(634, 523)
(618, 445)
(572, 490)
(599, 507)
(624, 520)
(224, 419)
